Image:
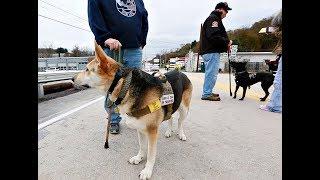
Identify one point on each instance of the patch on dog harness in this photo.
(167, 99)
(168, 96)
(116, 109)
(156, 105)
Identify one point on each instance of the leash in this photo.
(106, 144)
(229, 71)
(116, 56)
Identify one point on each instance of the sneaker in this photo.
(114, 128)
(215, 95)
(264, 108)
(211, 98)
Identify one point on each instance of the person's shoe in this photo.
(264, 108)
(114, 128)
(211, 98)
(215, 95)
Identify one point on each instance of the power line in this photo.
(59, 13)
(167, 42)
(64, 10)
(149, 45)
(63, 23)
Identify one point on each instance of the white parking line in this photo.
(55, 119)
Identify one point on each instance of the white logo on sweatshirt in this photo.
(126, 7)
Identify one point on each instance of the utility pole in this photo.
(199, 48)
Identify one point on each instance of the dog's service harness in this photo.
(166, 100)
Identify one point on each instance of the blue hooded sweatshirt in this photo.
(124, 20)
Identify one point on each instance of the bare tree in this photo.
(46, 51)
(81, 52)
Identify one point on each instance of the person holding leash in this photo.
(115, 24)
(214, 40)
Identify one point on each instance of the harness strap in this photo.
(154, 106)
(123, 91)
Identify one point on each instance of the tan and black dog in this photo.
(141, 102)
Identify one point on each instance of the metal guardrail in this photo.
(62, 63)
(46, 77)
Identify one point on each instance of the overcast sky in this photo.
(171, 22)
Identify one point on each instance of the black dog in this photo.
(243, 79)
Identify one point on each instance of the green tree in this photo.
(193, 44)
(247, 39)
(61, 50)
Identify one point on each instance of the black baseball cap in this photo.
(223, 5)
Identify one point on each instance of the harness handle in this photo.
(117, 55)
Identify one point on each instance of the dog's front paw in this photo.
(182, 136)
(136, 159)
(168, 133)
(241, 99)
(262, 99)
(145, 173)
(234, 97)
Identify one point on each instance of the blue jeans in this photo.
(132, 58)
(275, 103)
(211, 62)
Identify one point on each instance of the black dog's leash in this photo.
(229, 71)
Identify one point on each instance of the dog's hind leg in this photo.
(183, 111)
(244, 92)
(235, 92)
(142, 151)
(169, 130)
(152, 135)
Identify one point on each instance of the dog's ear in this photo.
(105, 62)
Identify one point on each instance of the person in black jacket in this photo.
(214, 40)
(116, 23)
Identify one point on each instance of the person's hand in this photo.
(113, 44)
(229, 45)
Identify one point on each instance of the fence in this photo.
(252, 67)
(62, 63)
